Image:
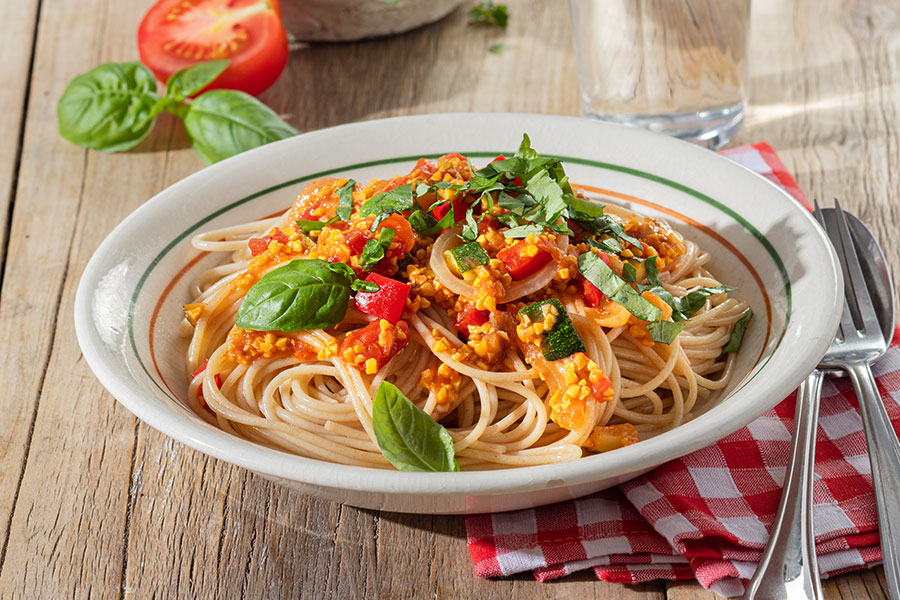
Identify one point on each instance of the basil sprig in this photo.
(109, 108)
(407, 436)
(113, 107)
(304, 294)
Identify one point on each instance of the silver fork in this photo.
(863, 340)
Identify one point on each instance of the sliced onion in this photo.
(450, 239)
(447, 241)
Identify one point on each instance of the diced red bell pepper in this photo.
(520, 263)
(471, 316)
(388, 302)
(459, 211)
(260, 245)
(592, 296)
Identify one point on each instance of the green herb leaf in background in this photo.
(407, 436)
(109, 108)
(488, 13)
(189, 81)
(302, 295)
(222, 123)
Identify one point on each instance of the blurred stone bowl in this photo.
(346, 20)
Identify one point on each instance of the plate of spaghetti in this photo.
(485, 313)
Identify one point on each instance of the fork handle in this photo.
(884, 456)
(788, 566)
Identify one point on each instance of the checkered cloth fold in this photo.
(707, 515)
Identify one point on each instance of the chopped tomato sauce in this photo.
(371, 347)
(260, 245)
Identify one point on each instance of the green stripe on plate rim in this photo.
(776, 258)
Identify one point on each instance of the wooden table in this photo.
(94, 503)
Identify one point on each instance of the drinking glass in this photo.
(677, 67)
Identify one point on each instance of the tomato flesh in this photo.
(520, 263)
(471, 316)
(175, 34)
(592, 296)
(370, 338)
(260, 245)
(388, 302)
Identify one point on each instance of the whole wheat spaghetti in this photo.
(523, 346)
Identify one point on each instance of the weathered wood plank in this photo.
(98, 504)
(68, 520)
(17, 27)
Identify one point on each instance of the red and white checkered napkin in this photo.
(707, 515)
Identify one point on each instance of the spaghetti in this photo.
(533, 325)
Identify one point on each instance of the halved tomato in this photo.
(176, 34)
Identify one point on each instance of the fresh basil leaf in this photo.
(583, 210)
(496, 48)
(598, 273)
(374, 250)
(422, 189)
(629, 273)
(488, 13)
(523, 231)
(191, 80)
(222, 123)
(652, 272)
(737, 334)
(515, 204)
(688, 305)
(407, 436)
(427, 225)
(664, 332)
(607, 245)
(304, 294)
(380, 219)
(508, 220)
(109, 108)
(345, 200)
(396, 200)
(308, 226)
(470, 228)
(549, 195)
(360, 285)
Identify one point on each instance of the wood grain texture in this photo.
(95, 504)
(17, 27)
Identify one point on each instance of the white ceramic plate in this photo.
(130, 296)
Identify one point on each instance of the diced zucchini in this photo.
(561, 340)
(468, 256)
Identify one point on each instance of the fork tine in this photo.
(846, 327)
(857, 285)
